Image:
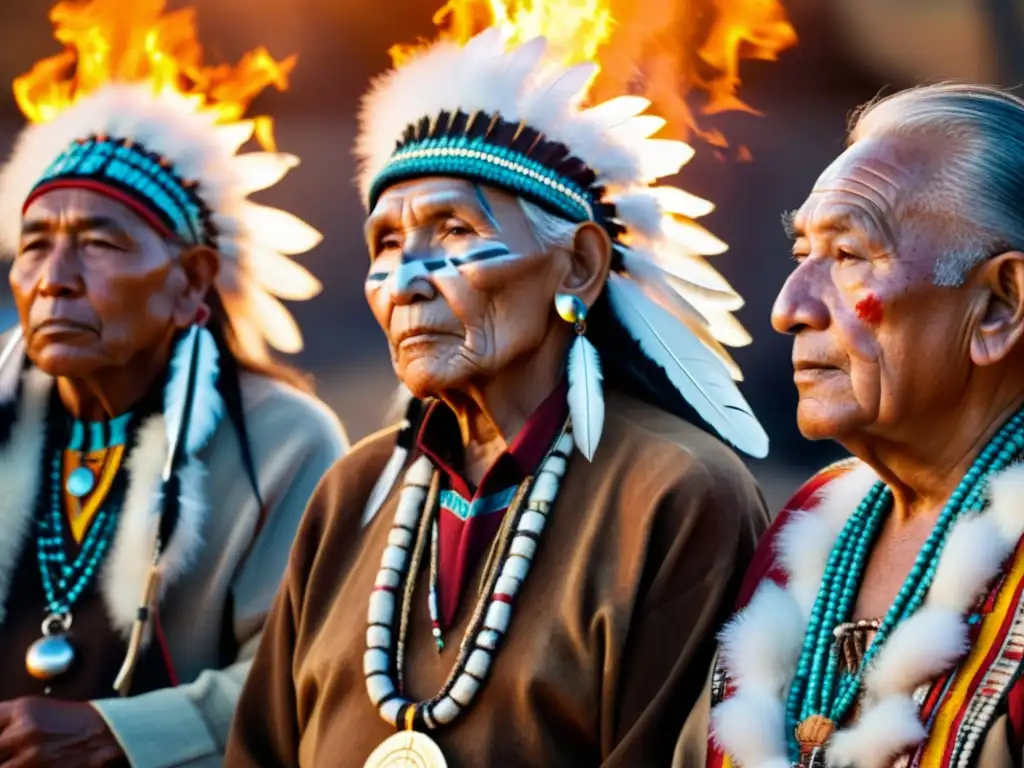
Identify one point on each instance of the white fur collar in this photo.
(761, 645)
(123, 576)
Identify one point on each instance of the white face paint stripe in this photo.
(445, 266)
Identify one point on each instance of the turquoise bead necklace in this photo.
(823, 694)
(65, 581)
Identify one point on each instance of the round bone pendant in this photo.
(49, 657)
(407, 749)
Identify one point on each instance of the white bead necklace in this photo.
(516, 545)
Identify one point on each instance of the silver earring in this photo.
(586, 394)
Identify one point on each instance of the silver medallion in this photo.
(51, 655)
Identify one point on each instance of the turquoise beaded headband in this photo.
(498, 153)
(132, 175)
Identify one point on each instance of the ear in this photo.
(200, 265)
(1000, 327)
(591, 259)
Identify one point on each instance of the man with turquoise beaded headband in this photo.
(883, 620)
(543, 586)
(154, 460)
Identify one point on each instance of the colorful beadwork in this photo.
(91, 462)
(479, 160)
(504, 573)
(64, 582)
(131, 167)
(822, 690)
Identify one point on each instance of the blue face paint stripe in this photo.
(486, 206)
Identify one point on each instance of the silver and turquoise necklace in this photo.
(824, 690)
(64, 580)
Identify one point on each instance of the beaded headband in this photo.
(137, 177)
(510, 156)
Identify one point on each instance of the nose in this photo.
(61, 275)
(411, 282)
(799, 304)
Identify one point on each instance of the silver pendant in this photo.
(51, 655)
(81, 481)
(407, 749)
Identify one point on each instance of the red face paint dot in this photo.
(869, 309)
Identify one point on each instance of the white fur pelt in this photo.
(761, 645)
(130, 557)
(253, 238)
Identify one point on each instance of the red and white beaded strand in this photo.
(523, 525)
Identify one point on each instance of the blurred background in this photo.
(848, 51)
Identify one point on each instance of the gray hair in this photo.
(549, 230)
(980, 189)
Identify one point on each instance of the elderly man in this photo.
(154, 463)
(883, 621)
(545, 587)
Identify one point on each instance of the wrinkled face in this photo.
(458, 283)
(877, 345)
(94, 285)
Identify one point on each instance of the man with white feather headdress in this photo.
(154, 461)
(544, 583)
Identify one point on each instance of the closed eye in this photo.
(101, 243)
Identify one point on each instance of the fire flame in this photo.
(108, 40)
(661, 49)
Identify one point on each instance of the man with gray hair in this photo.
(882, 618)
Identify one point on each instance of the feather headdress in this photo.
(170, 155)
(512, 119)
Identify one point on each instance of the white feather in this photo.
(281, 276)
(260, 170)
(275, 322)
(386, 481)
(279, 230)
(617, 110)
(586, 396)
(207, 405)
(640, 211)
(691, 236)
(662, 157)
(694, 370)
(675, 200)
(688, 266)
(639, 128)
(11, 360)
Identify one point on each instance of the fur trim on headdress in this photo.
(253, 239)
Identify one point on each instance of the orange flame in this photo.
(661, 49)
(108, 40)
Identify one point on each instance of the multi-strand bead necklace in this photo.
(65, 581)
(506, 569)
(823, 693)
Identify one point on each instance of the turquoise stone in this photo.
(81, 481)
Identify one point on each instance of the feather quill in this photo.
(403, 444)
(586, 398)
(10, 365)
(698, 375)
(192, 405)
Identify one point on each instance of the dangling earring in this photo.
(202, 316)
(586, 396)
